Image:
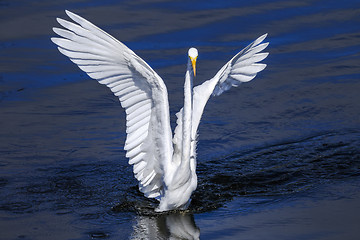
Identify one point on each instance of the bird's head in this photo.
(193, 54)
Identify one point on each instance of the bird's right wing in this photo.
(243, 67)
(140, 90)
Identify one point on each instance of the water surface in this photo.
(278, 157)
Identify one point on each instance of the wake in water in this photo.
(280, 169)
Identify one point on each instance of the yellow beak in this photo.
(193, 63)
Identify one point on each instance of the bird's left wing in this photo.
(243, 67)
(142, 93)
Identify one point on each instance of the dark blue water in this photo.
(278, 157)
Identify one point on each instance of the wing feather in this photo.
(248, 61)
(142, 93)
(137, 158)
(139, 124)
(124, 87)
(138, 115)
(136, 141)
(249, 70)
(136, 135)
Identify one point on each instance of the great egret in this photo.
(164, 166)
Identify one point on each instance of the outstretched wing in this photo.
(243, 67)
(142, 93)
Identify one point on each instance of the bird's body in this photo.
(165, 166)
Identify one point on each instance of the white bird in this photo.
(164, 166)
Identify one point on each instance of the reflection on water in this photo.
(166, 226)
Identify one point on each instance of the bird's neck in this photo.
(187, 114)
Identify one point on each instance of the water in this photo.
(280, 161)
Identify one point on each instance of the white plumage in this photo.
(164, 166)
